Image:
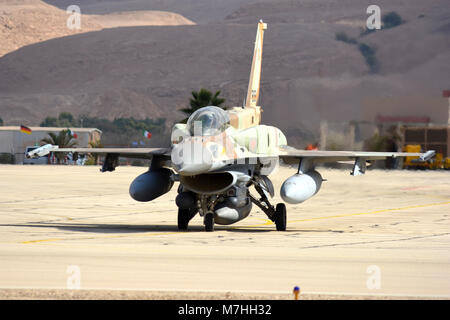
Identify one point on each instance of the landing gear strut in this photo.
(276, 215)
(206, 206)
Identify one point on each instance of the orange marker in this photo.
(296, 292)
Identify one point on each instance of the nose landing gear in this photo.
(208, 221)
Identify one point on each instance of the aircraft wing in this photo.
(159, 156)
(309, 158)
(141, 153)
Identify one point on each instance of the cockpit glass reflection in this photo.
(208, 121)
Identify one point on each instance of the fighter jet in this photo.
(219, 155)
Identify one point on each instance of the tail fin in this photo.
(255, 74)
(250, 114)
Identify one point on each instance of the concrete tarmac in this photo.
(382, 235)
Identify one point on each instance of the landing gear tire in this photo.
(280, 217)
(209, 222)
(184, 216)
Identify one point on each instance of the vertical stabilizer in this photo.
(250, 114)
(255, 74)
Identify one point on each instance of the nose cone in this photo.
(193, 169)
(191, 158)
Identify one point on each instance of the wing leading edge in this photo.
(308, 159)
(141, 153)
(158, 156)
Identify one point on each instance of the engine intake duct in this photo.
(209, 183)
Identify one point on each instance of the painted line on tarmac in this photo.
(267, 223)
(105, 237)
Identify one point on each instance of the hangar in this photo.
(14, 142)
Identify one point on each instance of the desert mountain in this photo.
(200, 11)
(24, 22)
(139, 18)
(308, 75)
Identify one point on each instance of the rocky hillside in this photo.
(24, 22)
(308, 75)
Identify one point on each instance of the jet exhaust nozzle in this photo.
(151, 184)
(301, 187)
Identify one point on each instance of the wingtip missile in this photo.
(427, 155)
(41, 151)
(424, 157)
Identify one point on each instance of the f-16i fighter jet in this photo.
(220, 154)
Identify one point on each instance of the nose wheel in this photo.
(208, 221)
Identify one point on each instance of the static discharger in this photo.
(296, 292)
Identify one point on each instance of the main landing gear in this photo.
(184, 216)
(206, 204)
(276, 214)
(280, 217)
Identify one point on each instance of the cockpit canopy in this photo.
(208, 121)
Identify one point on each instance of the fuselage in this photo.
(195, 153)
(217, 162)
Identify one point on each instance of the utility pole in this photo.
(446, 94)
(323, 134)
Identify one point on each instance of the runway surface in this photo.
(384, 234)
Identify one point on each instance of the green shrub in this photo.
(369, 55)
(366, 31)
(120, 131)
(7, 158)
(342, 36)
(391, 19)
(376, 143)
(91, 161)
(49, 122)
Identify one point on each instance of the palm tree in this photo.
(95, 144)
(202, 99)
(63, 140)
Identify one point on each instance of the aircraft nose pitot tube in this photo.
(301, 187)
(151, 184)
